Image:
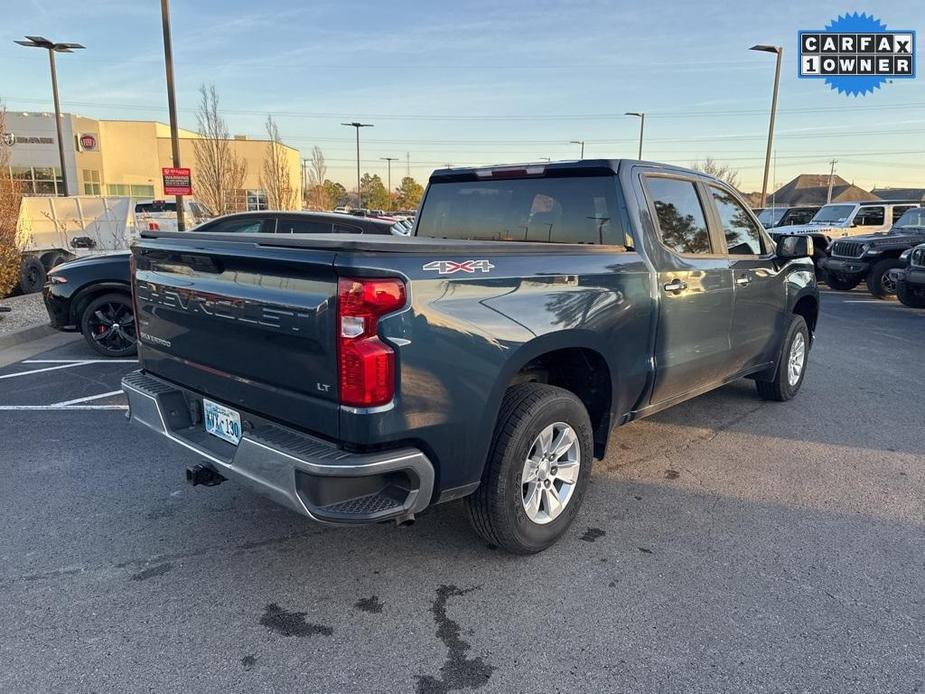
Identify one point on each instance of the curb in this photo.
(24, 335)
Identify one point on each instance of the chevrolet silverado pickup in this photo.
(487, 356)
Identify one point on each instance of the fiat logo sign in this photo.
(87, 142)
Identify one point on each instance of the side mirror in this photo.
(795, 247)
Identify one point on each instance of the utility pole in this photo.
(172, 104)
(779, 51)
(642, 128)
(52, 48)
(581, 143)
(389, 160)
(408, 164)
(828, 197)
(358, 125)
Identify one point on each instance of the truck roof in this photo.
(577, 167)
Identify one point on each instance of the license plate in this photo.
(222, 421)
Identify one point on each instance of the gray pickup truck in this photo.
(488, 356)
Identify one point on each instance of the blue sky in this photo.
(474, 82)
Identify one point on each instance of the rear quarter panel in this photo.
(464, 336)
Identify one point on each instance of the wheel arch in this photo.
(574, 360)
(91, 291)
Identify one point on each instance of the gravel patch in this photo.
(27, 311)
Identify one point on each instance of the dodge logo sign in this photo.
(9, 139)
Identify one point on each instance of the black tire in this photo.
(497, 509)
(106, 311)
(909, 297)
(52, 260)
(839, 283)
(31, 275)
(780, 387)
(879, 281)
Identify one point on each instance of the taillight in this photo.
(366, 365)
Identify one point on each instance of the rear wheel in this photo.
(52, 260)
(880, 281)
(31, 275)
(842, 284)
(910, 297)
(537, 472)
(791, 365)
(108, 325)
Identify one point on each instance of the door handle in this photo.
(675, 286)
(743, 281)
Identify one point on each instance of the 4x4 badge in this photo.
(448, 267)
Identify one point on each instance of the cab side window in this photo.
(869, 216)
(681, 220)
(741, 231)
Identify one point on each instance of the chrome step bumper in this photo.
(307, 474)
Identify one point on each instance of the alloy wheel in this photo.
(550, 473)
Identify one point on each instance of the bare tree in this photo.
(219, 172)
(10, 199)
(275, 178)
(723, 172)
(317, 195)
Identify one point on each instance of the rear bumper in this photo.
(306, 474)
(845, 267)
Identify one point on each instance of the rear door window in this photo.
(681, 219)
(302, 226)
(581, 209)
(347, 229)
(869, 216)
(898, 211)
(740, 230)
(239, 225)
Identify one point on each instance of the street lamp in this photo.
(390, 160)
(358, 125)
(642, 127)
(52, 48)
(581, 143)
(779, 51)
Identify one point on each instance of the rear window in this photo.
(552, 210)
(156, 206)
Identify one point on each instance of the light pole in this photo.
(581, 143)
(358, 125)
(52, 48)
(305, 182)
(390, 160)
(779, 51)
(172, 105)
(642, 127)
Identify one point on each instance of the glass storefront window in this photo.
(256, 200)
(39, 180)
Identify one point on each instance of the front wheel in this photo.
(840, 283)
(537, 471)
(880, 281)
(910, 297)
(108, 325)
(791, 365)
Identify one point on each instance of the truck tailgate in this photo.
(248, 325)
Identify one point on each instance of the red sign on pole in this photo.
(177, 181)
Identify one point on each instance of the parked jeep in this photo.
(872, 257)
(840, 219)
(772, 217)
(910, 280)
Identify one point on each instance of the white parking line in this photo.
(66, 403)
(79, 361)
(7, 408)
(48, 368)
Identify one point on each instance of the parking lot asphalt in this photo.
(728, 544)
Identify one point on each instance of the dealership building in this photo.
(120, 157)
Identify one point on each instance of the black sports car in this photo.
(93, 294)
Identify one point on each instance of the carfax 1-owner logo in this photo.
(856, 54)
